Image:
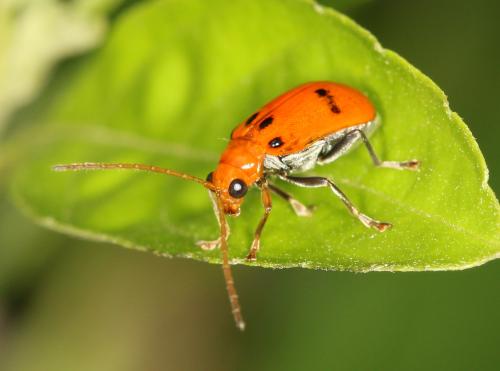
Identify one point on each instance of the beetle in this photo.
(312, 124)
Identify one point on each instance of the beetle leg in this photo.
(352, 137)
(341, 147)
(315, 182)
(211, 245)
(299, 208)
(400, 165)
(266, 201)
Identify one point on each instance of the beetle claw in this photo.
(382, 226)
(372, 223)
(412, 164)
(252, 254)
(251, 257)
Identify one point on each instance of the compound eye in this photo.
(237, 188)
(210, 177)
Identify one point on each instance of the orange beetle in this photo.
(312, 124)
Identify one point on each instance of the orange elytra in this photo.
(312, 124)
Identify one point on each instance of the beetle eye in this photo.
(237, 188)
(210, 176)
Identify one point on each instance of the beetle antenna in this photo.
(228, 275)
(132, 166)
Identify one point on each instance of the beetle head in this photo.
(232, 185)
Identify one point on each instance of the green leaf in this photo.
(172, 81)
(34, 36)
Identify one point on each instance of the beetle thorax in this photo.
(246, 157)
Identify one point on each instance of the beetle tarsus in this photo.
(252, 255)
(398, 165)
(301, 209)
(371, 223)
(209, 245)
(382, 226)
(403, 165)
(412, 164)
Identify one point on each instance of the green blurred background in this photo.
(73, 305)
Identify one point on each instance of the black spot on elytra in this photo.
(251, 118)
(266, 122)
(321, 92)
(331, 101)
(275, 142)
(334, 108)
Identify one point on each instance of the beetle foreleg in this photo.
(211, 245)
(315, 182)
(299, 208)
(400, 165)
(266, 201)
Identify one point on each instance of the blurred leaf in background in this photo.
(35, 35)
(97, 307)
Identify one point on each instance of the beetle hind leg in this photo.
(399, 165)
(341, 147)
(351, 138)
